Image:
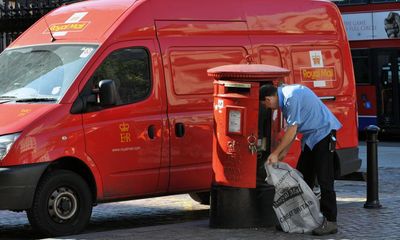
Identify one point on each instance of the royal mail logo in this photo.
(68, 27)
(24, 112)
(316, 60)
(316, 74)
(125, 135)
(288, 194)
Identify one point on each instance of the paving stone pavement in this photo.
(355, 222)
(178, 217)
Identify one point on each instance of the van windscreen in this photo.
(41, 73)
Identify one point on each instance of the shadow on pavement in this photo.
(132, 221)
(100, 223)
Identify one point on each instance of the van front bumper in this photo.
(18, 185)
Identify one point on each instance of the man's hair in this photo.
(267, 90)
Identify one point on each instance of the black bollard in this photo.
(372, 167)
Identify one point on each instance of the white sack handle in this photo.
(269, 168)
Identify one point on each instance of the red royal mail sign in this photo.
(317, 74)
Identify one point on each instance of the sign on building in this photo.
(372, 25)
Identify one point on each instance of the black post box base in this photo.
(242, 207)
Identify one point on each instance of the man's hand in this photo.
(392, 25)
(272, 158)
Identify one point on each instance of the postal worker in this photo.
(305, 113)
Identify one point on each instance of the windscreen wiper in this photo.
(36, 100)
(7, 97)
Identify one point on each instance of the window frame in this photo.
(88, 89)
(369, 57)
(340, 3)
(376, 2)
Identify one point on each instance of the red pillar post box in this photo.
(235, 138)
(237, 199)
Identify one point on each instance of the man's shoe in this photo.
(326, 228)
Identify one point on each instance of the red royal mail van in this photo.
(105, 101)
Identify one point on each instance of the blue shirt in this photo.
(300, 106)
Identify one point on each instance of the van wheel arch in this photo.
(201, 197)
(77, 166)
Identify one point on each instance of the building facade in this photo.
(17, 15)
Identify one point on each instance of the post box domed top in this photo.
(247, 72)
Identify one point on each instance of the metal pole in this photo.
(372, 168)
(4, 40)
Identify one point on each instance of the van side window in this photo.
(130, 70)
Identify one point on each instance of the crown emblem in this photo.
(124, 127)
(316, 59)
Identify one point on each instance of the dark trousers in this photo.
(319, 163)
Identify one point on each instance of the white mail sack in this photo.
(295, 204)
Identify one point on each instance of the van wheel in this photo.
(62, 204)
(201, 197)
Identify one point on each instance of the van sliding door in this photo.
(186, 57)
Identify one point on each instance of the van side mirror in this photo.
(107, 93)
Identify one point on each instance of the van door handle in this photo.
(179, 129)
(151, 131)
(328, 98)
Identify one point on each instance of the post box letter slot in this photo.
(240, 88)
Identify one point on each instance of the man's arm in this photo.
(284, 145)
(283, 154)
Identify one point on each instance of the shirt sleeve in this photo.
(293, 109)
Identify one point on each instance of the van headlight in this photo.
(6, 141)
